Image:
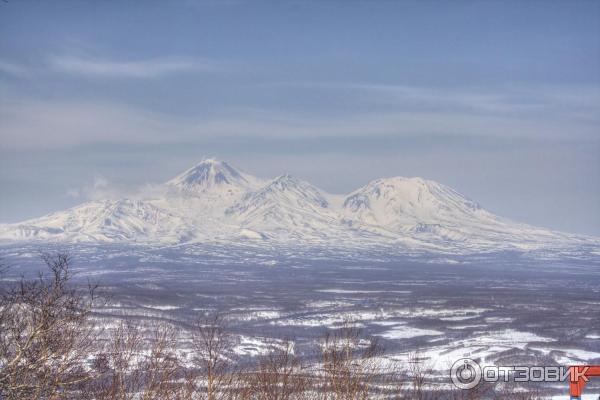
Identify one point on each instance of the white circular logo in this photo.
(465, 373)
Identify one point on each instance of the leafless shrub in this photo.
(278, 376)
(348, 364)
(512, 391)
(45, 334)
(419, 375)
(132, 366)
(483, 390)
(212, 345)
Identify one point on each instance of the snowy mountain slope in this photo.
(214, 202)
(214, 177)
(287, 205)
(435, 213)
(203, 193)
(190, 208)
(107, 220)
(399, 202)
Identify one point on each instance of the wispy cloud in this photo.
(140, 69)
(408, 111)
(102, 189)
(501, 101)
(53, 124)
(41, 124)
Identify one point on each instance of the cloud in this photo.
(409, 112)
(73, 193)
(100, 189)
(506, 101)
(55, 124)
(96, 67)
(141, 69)
(103, 189)
(66, 124)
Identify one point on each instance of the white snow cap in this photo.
(211, 174)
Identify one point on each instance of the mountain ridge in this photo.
(213, 201)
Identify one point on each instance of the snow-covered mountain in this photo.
(397, 203)
(106, 220)
(286, 206)
(435, 213)
(216, 178)
(214, 202)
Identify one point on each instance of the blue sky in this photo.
(497, 99)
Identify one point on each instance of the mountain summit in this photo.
(211, 175)
(404, 202)
(214, 202)
(286, 205)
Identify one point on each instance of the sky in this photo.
(499, 100)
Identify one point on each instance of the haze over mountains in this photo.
(214, 202)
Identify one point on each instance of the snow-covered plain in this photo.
(217, 204)
(500, 308)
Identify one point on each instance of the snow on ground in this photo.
(507, 338)
(335, 319)
(377, 317)
(464, 313)
(343, 291)
(256, 346)
(387, 323)
(482, 345)
(499, 320)
(160, 307)
(458, 318)
(256, 315)
(460, 327)
(327, 304)
(592, 336)
(407, 332)
(568, 356)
